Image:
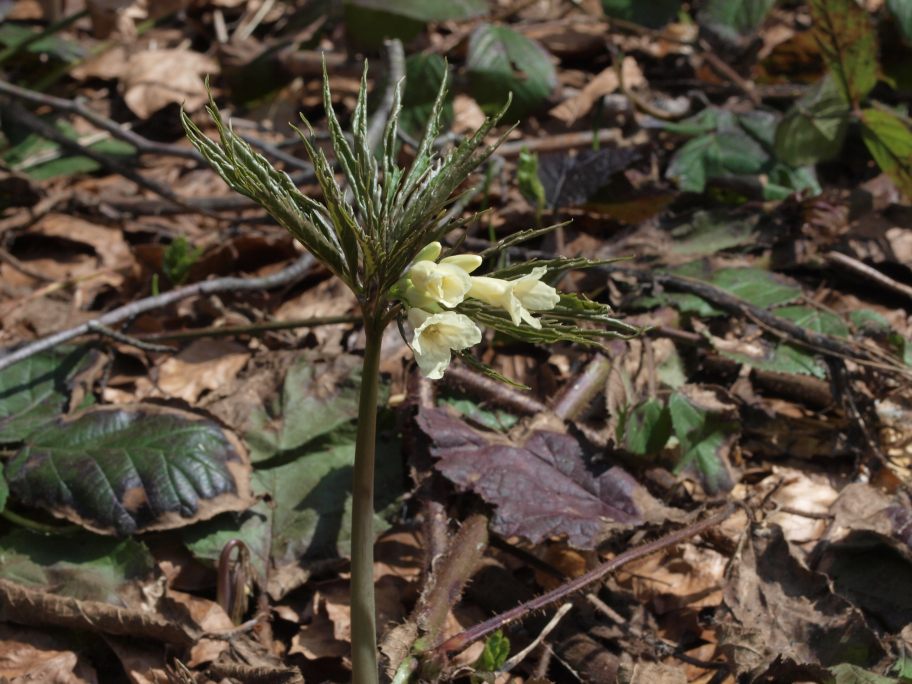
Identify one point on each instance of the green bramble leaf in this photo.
(888, 137)
(495, 654)
(848, 44)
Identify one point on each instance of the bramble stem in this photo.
(363, 612)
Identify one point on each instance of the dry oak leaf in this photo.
(203, 365)
(542, 488)
(603, 83)
(154, 79)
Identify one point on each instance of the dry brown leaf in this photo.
(210, 617)
(153, 79)
(467, 115)
(28, 655)
(602, 84)
(143, 661)
(202, 366)
(800, 491)
(108, 243)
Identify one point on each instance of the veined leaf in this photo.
(424, 74)
(501, 61)
(849, 45)
(706, 437)
(817, 320)
(35, 391)
(815, 127)
(129, 469)
(902, 12)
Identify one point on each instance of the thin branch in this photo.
(251, 329)
(128, 311)
(143, 145)
(481, 630)
(46, 130)
(862, 269)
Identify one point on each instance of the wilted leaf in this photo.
(82, 565)
(733, 19)
(501, 61)
(889, 139)
(849, 45)
(652, 14)
(815, 127)
(541, 488)
(775, 606)
(706, 435)
(571, 179)
(131, 468)
(36, 390)
(153, 79)
(423, 74)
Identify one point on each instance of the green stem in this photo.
(363, 612)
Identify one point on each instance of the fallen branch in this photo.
(128, 311)
(481, 630)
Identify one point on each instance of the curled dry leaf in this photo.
(541, 488)
(153, 79)
(203, 365)
(603, 83)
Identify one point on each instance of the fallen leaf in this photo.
(775, 606)
(119, 470)
(153, 79)
(203, 365)
(30, 655)
(603, 83)
(541, 488)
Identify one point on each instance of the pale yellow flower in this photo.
(445, 283)
(437, 336)
(517, 297)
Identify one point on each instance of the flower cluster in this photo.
(433, 287)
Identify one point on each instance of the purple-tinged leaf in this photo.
(541, 488)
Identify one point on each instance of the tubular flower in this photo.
(437, 336)
(517, 297)
(445, 283)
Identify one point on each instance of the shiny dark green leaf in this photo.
(131, 469)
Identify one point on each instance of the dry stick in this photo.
(818, 342)
(519, 657)
(46, 130)
(862, 269)
(496, 392)
(479, 631)
(123, 313)
(251, 329)
(142, 145)
(395, 60)
(35, 607)
(579, 394)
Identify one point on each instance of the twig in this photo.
(479, 631)
(494, 392)
(105, 331)
(552, 623)
(252, 329)
(22, 268)
(123, 313)
(142, 145)
(579, 394)
(555, 143)
(46, 130)
(395, 78)
(859, 268)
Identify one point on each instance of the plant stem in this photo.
(363, 612)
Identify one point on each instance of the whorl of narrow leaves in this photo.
(394, 212)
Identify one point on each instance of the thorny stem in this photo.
(479, 631)
(363, 613)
